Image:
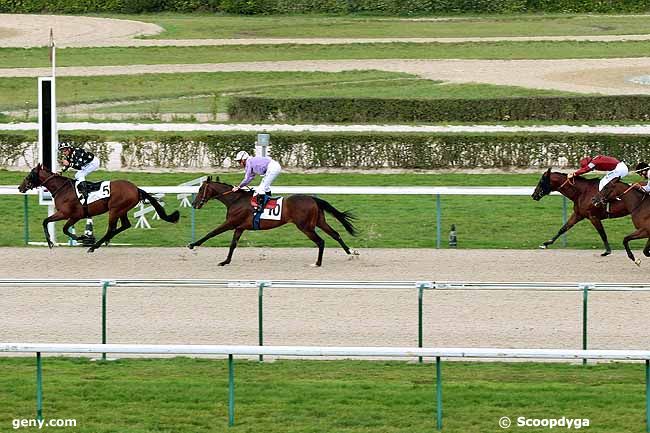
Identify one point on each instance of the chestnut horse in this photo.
(637, 203)
(305, 211)
(580, 191)
(124, 197)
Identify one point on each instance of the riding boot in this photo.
(83, 189)
(260, 203)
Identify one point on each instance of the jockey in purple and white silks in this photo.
(262, 165)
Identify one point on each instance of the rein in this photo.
(630, 188)
(568, 180)
(50, 178)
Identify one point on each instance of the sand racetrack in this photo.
(324, 317)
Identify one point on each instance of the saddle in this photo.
(270, 203)
(89, 186)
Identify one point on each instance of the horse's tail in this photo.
(346, 218)
(173, 218)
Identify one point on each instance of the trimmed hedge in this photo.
(370, 110)
(14, 147)
(368, 151)
(380, 7)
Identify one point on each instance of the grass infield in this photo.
(505, 50)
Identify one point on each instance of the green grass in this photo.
(200, 26)
(379, 88)
(37, 57)
(183, 395)
(21, 93)
(481, 222)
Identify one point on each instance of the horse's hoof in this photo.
(190, 246)
(355, 252)
(50, 245)
(638, 262)
(315, 265)
(646, 253)
(91, 250)
(606, 253)
(223, 263)
(542, 247)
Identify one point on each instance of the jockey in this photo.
(82, 161)
(644, 171)
(612, 166)
(263, 166)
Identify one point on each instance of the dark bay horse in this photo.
(305, 211)
(124, 197)
(580, 191)
(637, 203)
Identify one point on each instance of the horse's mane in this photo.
(580, 178)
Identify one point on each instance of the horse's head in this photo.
(607, 193)
(543, 186)
(32, 180)
(208, 190)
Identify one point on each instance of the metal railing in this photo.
(262, 286)
(435, 191)
(310, 351)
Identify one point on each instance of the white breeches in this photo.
(272, 172)
(87, 169)
(621, 171)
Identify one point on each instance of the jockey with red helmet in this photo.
(611, 165)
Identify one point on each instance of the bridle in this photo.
(203, 199)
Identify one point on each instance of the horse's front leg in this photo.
(233, 245)
(222, 228)
(638, 234)
(66, 229)
(56, 216)
(573, 220)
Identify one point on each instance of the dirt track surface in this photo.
(606, 76)
(324, 317)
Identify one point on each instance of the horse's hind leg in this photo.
(311, 234)
(603, 235)
(125, 224)
(233, 245)
(333, 233)
(112, 229)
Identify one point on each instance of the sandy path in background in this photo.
(606, 76)
(324, 317)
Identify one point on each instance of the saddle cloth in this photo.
(272, 208)
(98, 191)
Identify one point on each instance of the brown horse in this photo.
(124, 197)
(637, 204)
(580, 191)
(306, 212)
